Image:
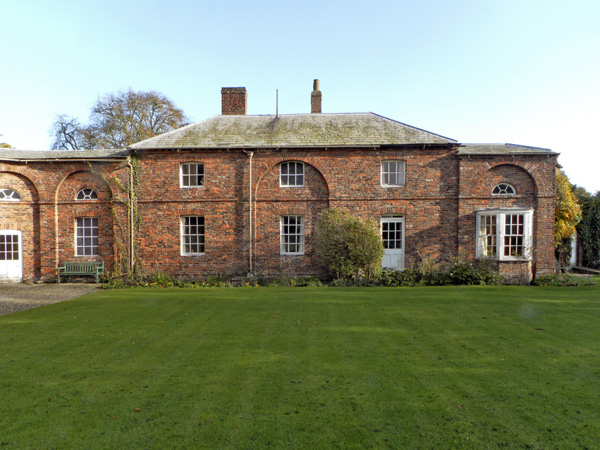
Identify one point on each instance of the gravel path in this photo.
(19, 297)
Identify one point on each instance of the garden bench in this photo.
(95, 268)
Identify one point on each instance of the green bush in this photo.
(350, 246)
(456, 272)
(563, 280)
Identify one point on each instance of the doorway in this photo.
(11, 256)
(392, 235)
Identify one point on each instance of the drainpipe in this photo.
(131, 219)
(251, 212)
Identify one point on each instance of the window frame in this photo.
(504, 194)
(86, 228)
(385, 172)
(189, 176)
(91, 195)
(289, 175)
(501, 238)
(14, 195)
(185, 234)
(285, 235)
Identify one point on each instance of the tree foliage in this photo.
(4, 145)
(117, 121)
(567, 216)
(568, 210)
(589, 229)
(349, 245)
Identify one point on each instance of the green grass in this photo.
(305, 368)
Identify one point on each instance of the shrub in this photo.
(457, 272)
(350, 246)
(563, 280)
(475, 272)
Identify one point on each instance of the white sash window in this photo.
(505, 234)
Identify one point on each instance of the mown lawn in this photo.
(305, 368)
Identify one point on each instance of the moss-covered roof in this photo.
(293, 131)
(27, 155)
(502, 149)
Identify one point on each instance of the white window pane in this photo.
(291, 174)
(392, 173)
(292, 234)
(192, 235)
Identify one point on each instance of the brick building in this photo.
(238, 194)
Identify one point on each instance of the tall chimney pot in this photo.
(234, 101)
(315, 99)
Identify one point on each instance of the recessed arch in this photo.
(313, 180)
(513, 175)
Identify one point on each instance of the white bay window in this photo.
(505, 234)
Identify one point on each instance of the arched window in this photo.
(87, 194)
(504, 189)
(9, 195)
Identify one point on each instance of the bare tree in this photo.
(119, 120)
(66, 133)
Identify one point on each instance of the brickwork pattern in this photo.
(234, 101)
(439, 201)
(48, 209)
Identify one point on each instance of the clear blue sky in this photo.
(518, 71)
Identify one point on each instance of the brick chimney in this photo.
(233, 101)
(315, 99)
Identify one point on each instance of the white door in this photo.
(11, 256)
(392, 235)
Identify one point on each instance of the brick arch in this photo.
(263, 168)
(98, 181)
(23, 216)
(514, 174)
(25, 176)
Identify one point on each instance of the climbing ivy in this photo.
(121, 231)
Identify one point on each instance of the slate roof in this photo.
(502, 149)
(293, 131)
(8, 154)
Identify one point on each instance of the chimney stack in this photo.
(315, 99)
(233, 101)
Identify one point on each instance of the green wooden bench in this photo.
(95, 268)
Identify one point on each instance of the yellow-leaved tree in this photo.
(567, 216)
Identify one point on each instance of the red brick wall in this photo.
(442, 194)
(46, 215)
(234, 101)
(344, 178)
(69, 209)
(533, 178)
(22, 216)
(220, 201)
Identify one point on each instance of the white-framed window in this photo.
(504, 189)
(292, 235)
(87, 194)
(192, 175)
(291, 174)
(86, 236)
(393, 173)
(9, 195)
(505, 234)
(9, 246)
(192, 235)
